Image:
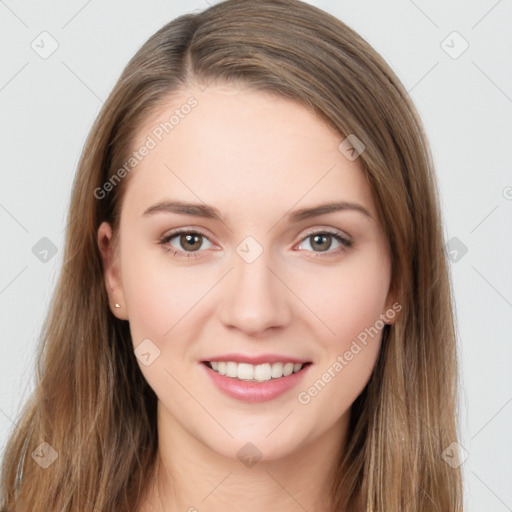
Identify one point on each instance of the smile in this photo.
(254, 373)
(254, 383)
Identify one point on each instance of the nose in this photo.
(253, 298)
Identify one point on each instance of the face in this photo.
(248, 275)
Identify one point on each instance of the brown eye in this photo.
(322, 242)
(191, 241)
(184, 243)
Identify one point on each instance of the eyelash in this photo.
(345, 243)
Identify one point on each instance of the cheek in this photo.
(157, 295)
(350, 298)
(152, 307)
(357, 311)
(351, 307)
(158, 299)
(348, 358)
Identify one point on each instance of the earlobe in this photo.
(111, 272)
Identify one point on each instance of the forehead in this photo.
(240, 148)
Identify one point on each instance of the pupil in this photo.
(189, 238)
(316, 237)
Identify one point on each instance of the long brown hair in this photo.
(91, 403)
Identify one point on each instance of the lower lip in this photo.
(255, 391)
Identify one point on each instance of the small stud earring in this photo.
(117, 305)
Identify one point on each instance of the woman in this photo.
(254, 309)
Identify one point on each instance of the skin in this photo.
(254, 156)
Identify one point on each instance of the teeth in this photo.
(262, 372)
(231, 369)
(288, 369)
(245, 371)
(277, 370)
(256, 373)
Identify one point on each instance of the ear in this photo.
(111, 271)
(393, 306)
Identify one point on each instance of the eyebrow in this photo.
(210, 212)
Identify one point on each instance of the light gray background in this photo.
(48, 106)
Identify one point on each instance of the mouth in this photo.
(258, 373)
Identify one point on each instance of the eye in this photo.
(321, 242)
(189, 241)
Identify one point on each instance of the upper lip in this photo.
(257, 359)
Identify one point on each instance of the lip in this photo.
(255, 392)
(260, 359)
